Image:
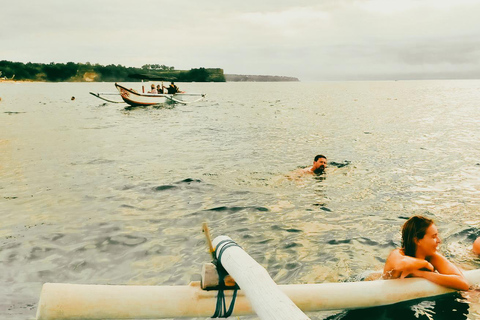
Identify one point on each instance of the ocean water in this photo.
(97, 193)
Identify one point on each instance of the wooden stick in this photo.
(209, 239)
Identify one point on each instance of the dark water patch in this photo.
(293, 230)
(237, 209)
(127, 240)
(14, 112)
(319, 204)
(164, 187)
(292, 265)
(189, 181)
(93, 162)
(127, 206)
(469, 234)
(334, 242)
(265, 241)
(339, 164)
(224, 208)
(367, 241)
(291, 245)
(10, 198)
(132, 108)
(185, 184)
(389, 244)
(100, 161)
(276, 227)
(325, 209)
(108, 225)
(53, 237)
(448, 307)
(157, 249)
(78, 265)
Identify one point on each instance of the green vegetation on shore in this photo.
(79, 72)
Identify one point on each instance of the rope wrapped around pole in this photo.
(265, 297)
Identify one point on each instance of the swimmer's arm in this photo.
(448, 274)
(400, 265)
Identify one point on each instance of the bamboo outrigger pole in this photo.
(266, 298)
(258, 294)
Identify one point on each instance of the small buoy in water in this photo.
(73, 98)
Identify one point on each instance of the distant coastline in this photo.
(87, 72)
(257, 78)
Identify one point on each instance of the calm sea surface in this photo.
(95, 193)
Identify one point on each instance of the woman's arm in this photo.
(448, 274)
(398, 265)
(453, 281)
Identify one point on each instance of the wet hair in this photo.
(318, 157)
(414, 229)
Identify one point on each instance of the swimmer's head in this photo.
(413, 230)
(319, 164)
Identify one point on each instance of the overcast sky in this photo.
(309, 39)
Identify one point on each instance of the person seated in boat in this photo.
(418, 256)
(160, 89)
(153, 89)
(172, 88)
(476, 246)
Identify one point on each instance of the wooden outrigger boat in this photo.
(259, 294)
(135, 99)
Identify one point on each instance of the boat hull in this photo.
(137, 99)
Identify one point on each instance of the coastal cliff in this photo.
(257, 78)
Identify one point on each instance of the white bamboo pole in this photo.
(268, 301)
(95, 302)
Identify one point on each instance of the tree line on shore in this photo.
(78, 72)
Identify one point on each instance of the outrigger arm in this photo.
(100, 94)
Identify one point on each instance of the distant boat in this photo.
(136, 99)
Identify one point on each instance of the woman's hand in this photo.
(427, 266)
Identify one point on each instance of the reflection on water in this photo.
(96, 193)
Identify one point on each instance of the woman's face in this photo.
(427, 246)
